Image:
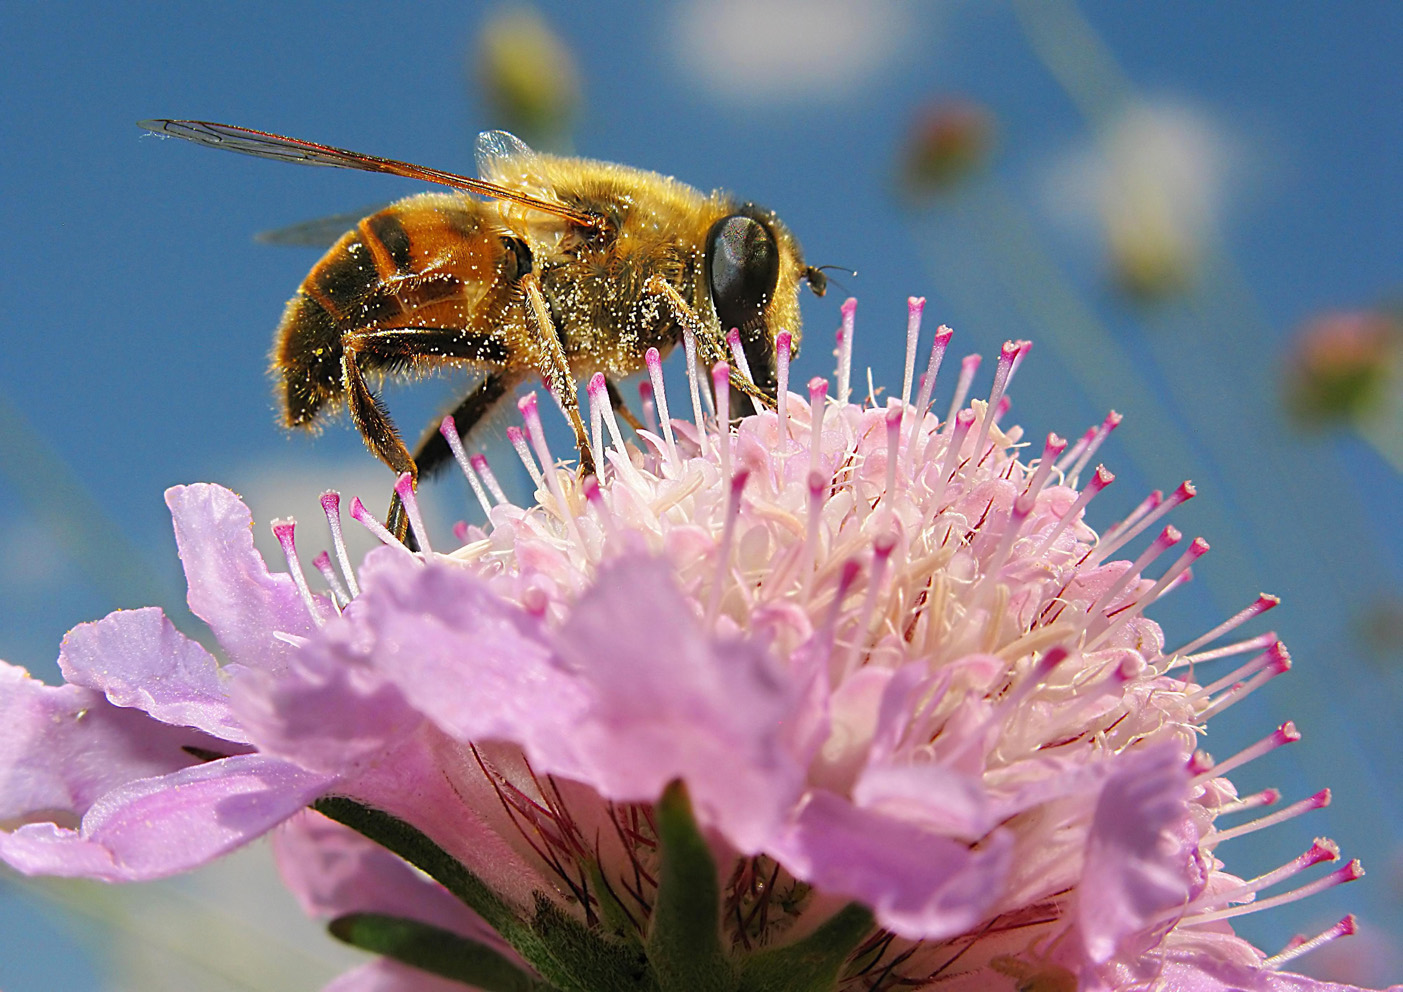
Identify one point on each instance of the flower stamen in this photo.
(404, 486)
(923, 398)
(449, 429)
(742, 363)
(784, 343)
(1205, 768)
(1348, 873)
(339, 596)
(689, 346)
(655, 373)
(721, 384)
(489, 479)
(331, 506)
(1185, 492)
(517, 437)
(728, 530)
(367, 520)
(844, 351)
(1319, 800)
(969, 365)
(283, 530)
(1300, 946)
(915, 305)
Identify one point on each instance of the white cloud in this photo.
(777, 51)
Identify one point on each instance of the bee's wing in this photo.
(496, 149)
(262, 144)
(504, 158)
(320, 232)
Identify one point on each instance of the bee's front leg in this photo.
(712, 347)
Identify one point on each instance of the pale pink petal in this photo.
(62, 747)
(231, 588)
(1205, 972)
(930, 796)
(597, 700)
(1135, 870)
(919, 884)
(327, 710)
(476, 665)
(435, 783)
(156, 827)
(671, 702)
(138, 659)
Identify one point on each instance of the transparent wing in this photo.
(320, 232)
(263, 144)
(500, 153)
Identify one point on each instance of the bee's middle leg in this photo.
(557, 371)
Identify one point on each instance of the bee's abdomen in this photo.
(307, 349)
(394, 269)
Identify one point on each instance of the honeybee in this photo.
(568, 268)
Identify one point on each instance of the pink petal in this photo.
(436, 784)
(138, 659)
(596, 700)
(156, 827)
(1134, 871)
(62, 747)
(476, 665)
(1200, 972)
(231, 588)
(932, 796)
(920, 885)
(327, 710)
(670, 701)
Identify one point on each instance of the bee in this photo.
(568, 267)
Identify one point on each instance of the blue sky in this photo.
(141, 310)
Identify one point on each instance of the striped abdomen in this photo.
(426, 262)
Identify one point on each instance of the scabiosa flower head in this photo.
(842, 697)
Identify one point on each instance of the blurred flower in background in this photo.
(1155, 182)
(1344, 368)
(949, 140)
(528, 77)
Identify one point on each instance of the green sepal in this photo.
(589, 960)
(414, 846)
(813, 964)
(437, 951)
(684, 931)
(614, 914)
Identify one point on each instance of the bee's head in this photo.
(754, 267)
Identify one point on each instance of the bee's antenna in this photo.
(818, 279)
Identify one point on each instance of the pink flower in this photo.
(924, 734)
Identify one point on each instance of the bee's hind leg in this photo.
(617, 399)
(433, 453)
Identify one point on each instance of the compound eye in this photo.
(743, 266)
